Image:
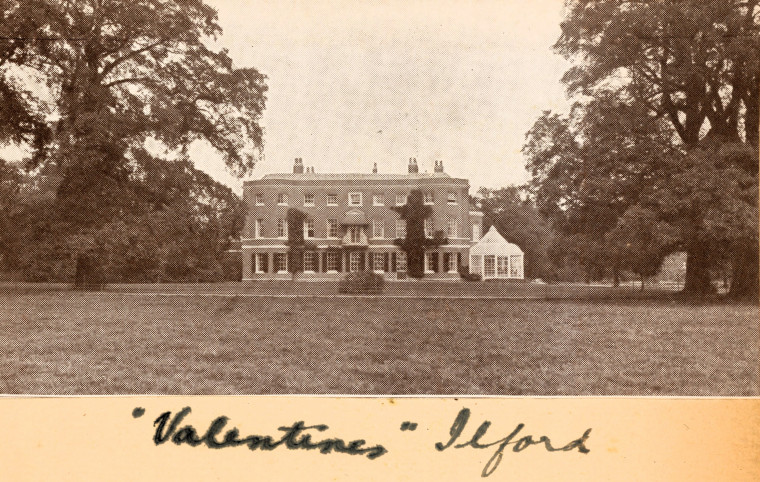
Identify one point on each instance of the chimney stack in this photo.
(413, 167)
(298, 166)
(438, 166)
(374, 169)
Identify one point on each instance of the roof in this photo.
(494, 243)
(361, 177)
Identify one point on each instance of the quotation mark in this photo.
(409, 426)
(138, 412)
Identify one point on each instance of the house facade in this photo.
(350, 225)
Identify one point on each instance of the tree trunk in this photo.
(641, 278)
(744, 282)
(615, 276)
(697, 281)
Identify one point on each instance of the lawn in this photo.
(123, 342)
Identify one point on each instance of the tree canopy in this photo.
(665, 120)
(107, 96)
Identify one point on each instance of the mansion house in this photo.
(350, 223)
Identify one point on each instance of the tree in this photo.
(117, 75)
(520, 222)
(297, 244)
(415, 212)
(690, 68)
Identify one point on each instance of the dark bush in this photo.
(362, 282)
(464, 273)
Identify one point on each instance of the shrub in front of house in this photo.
(361, 282)
(464, 273)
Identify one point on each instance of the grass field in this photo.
(132, 340)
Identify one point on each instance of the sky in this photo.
(356, 82)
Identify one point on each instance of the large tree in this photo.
(691, 69)
(111, 77)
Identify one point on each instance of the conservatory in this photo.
(495, 257)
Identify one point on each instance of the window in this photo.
(489, 266)
(378, 228)
(378, 261)
(282, 228)
(355, 199)
(378, 200)
(258, 229)
(401, 261)
(308, 228)
(428, 198)
(428, 228)
(261, 263)
(429, 261)
(332, 261)
(332, 199)
(452, 267)
(280, 263)
(308, 199)
(401, 228)
(452, 199)
(400, 199)
(282, 199)
(356, 234)
(475, 264)
(309, 261)
(502, 266)
(259, 199)
(453, 228)
(354, 260)
(515, 264)
(475, 232)
(332, 228)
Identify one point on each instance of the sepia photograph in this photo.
(376, 197)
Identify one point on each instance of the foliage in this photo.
(663, 90)
(109, 78)
(297, 244)
(361, 282)
(520, 222)
(414, 212)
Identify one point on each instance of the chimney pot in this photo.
(298, 166)
(374, 169)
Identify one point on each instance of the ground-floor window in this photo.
(331, 261)
(430, 261)
(516, 266)
(354, 259)
(489, 266)
(310, 261)
(378, 261)
(452, 267)
(280, 263)
(260, 263)
(401, 261)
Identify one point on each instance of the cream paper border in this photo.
(97, 438)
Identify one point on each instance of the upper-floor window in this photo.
(308, 199)
(400, 199)
(356, 234)
(453, 228)
(332, 199)
(282, 228)
(259, 199)
(258, 230)
(401, 228)
(428, 228)
(308, 228)
(282, 199)
(475, 232)
(378, 200)
(452, 199)
(428, 199)
(355, 199)
(378, 228)
(332, 228)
